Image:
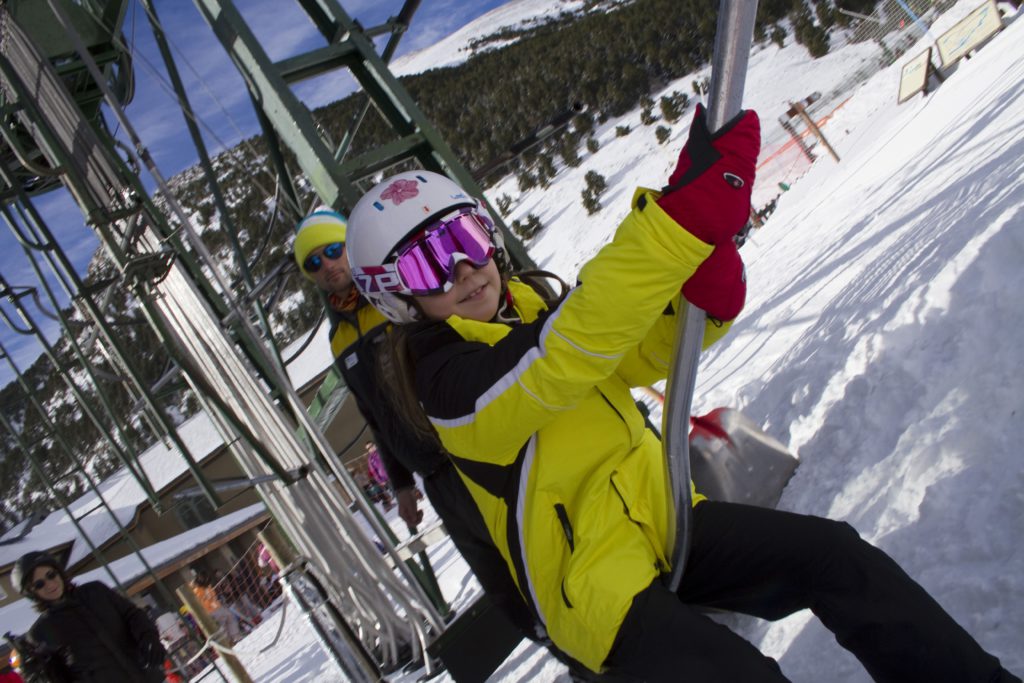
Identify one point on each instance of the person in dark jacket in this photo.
(84, 634)
(358, 333)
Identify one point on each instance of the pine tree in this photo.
(527, 230)
(545, 169)
(568, 150)
(673, 105)
(647, 116)
(526, 181)
(808, 34)
(596, 186)
(504, 203)
(583, 123)
(778, 36)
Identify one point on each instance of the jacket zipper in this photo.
(563, 518)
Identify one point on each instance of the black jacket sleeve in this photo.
(141, 628)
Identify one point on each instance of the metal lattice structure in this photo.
(377, 610)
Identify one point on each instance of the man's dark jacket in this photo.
(98, 634)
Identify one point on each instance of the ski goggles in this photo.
(426, 264)
(47, 577)
(332, 252)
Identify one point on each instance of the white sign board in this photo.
(914, 76)
(969, 32)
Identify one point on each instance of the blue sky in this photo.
(221, 102)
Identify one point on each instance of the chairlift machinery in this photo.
(65, 70)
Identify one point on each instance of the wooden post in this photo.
(209, 626)
(801, 111)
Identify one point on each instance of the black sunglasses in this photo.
(48, 576)
(316, 262)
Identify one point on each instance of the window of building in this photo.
(194, 511)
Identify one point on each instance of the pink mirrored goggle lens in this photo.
(427, 265)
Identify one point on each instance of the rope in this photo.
(210, 642)
(280, 627)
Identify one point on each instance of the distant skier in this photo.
(375, 466)
(530, 395)
(203, 587)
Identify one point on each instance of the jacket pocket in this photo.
(563, 519)
(643, 492)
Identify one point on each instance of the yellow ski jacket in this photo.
(539, 419)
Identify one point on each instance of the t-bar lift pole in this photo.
(733, 37)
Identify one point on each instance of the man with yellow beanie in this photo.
(320, 254)
(357, 330)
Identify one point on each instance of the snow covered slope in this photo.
(456, 48)
(882, 334)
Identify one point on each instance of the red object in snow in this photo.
(732, 459)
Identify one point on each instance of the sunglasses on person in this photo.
(332, 252)
(48, 576)
(426, 264)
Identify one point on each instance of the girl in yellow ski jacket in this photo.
(530, 396)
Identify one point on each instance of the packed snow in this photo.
(880, 339)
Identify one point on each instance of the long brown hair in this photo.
(396, 368)
(396, 371)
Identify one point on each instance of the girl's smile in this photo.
(474, 296)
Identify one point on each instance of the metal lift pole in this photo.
(389, 611)
(46, 243)
(733, 38)
(207, 166)
(86, 405)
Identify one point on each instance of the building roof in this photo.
(19, 615)
(163, 465)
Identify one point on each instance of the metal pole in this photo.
(230, 227)
(733, 37)
(402, 25)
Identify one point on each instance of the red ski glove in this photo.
(719, 286)
(708, 194)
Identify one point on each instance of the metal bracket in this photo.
(149, 268)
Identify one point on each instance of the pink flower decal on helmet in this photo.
(400, 190)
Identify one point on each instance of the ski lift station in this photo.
(235, 454)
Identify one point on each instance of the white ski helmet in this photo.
(392, 211)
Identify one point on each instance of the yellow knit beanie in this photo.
(323, 226)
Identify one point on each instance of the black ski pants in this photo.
(455, 506)
(770, 564)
